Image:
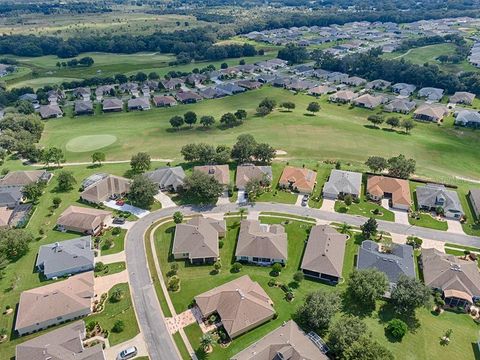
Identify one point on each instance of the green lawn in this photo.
(426, 220)
(421, 343)
(441, 152)
(112, 268)
(122, 310)
(181, 346)
(275, 194)
(365, 208)
(323, 172)
(290, 216)
(117, 240)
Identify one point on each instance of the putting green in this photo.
(90, 142)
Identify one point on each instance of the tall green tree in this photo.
(202, 188)
(98, 157)
(65, 180)
(33, 191)
(190, 118)
(367, 286)
(264, 153)
(313, 107)
(318, 310)
(366, 348)
(142, 191)
(177, 122)
(370, 228)
(244, 148)
(376, 164)
(409, 294)
(343, 332)
(207, 120)
(140, 162)
(401, 167)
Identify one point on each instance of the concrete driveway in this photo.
(126, 207)
(328, 205)
(223, 199)
(104, 283)
(112, 258)
(455, 226)
(401, 216)
(165, 200)
(138, 341)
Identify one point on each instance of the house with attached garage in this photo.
(140, 103)
(378, 84)
(323, 257)
(468, 118)
(105, 188)
(50, 111)
(167, 178)
(288, 342)
(212, 93)
(82, 93)
(474, 196)
(249, 172)
(398, 105)
(23, 178)
(103, 90)
(431, 112)
(369, 101)
(197, 240)
(221, 173)
(188, 97)
(164, 101)
(342, 96)
(462, 97)
(65, 343)
(84, 220)
(83, 107)
(430, 93)
(403, 89)
(321, 90)
(249, 84)
(112, 105)
(56, 303)
(354, 81)
(66, 257)
(341, 183)
(11, 196)
(397, 191)
(432, 197)
(297, 179)
(395, 263)
(458, 279)
(129, 87)
(261, 244)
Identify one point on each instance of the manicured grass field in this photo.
(118, 242)
(38, 82)
(275, 194)
(112, 268)
(365, 208)
(422, 342)
(90, 143)
(337, 133)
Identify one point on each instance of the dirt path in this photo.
(103, 162)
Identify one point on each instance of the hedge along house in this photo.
(197, 240)
(323, 258)
(261, 243)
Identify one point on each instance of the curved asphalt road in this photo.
(159, 342)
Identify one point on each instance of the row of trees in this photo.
(86, 61)
(267, 105)
(190, 118)
(393, 121)
(397, 166)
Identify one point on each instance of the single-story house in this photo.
(105, 188)
(130, 87)
(431, 112)
(261, 243)
(92, 179)
(30, 97)
(337, 77)
(188, 97)
(469, 118)
(230, 88)
(50, 111)
(369, 101)
(83, 220)
(341, 183)
(102, 90)
(321, 90)
(249, 172)
(164, 101)
(11, 196)
(399, 261)
(56, 303)
(5, 216)
(354, 81)
(167, 178)
(302, 180)
(212, 93)
(431, 93)
(430, 197)
(27, 177)
(195, 79)
(66, 257)
(112, 104)
(378, 84)
(140, 103)
(249, 84)
(458, 279)
(221, 173)
(288, 341)
(172, 84)
(403, 89)
(396, 190)
(342, 96)
(82, 93)
(474, 196)
(323, 257)
(462, 97)
(197, 240)
(403, 106)
(65, 343)
(83, 107)
(299, 85)
(242, 305)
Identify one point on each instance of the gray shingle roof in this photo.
(346, 182)
(10, 196)
(433, 195)
(167, 177)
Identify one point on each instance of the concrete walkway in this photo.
(138, 341)
(165, 200)
(179, 321)
(253, 215)
(112, 258)
(103, 284)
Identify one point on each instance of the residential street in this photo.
(151, 320)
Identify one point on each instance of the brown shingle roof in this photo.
(22, 178)
(106, 187)
(254, 241)
(241, 303)
(245, 173)
(55, 300)
(300, 178)
(325, 250)
(219, 172)
(82, 218)
(399, 188)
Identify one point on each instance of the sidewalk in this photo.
(109, 259)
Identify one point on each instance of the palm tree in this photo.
(345, 228)
(206, 341)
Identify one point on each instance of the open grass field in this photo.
(90, 143)
(39, 82)
(422, 342)
(335, 133)
(424, 54)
